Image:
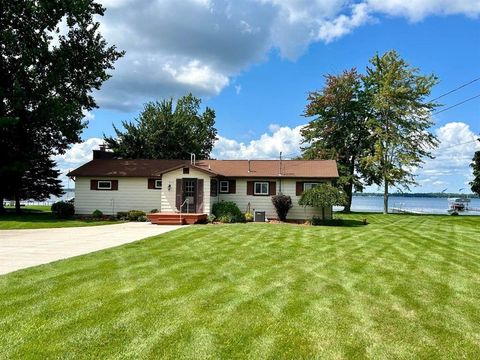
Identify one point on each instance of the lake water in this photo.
(420, 204)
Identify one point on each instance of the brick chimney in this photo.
(102, 153)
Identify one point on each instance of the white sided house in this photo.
(175, 187)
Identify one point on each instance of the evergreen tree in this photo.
(46, 81)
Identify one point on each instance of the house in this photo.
(112, 185)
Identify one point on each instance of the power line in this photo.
(457, 104)
(456, 89)
(455, 145)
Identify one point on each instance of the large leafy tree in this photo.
(475, 165)
(339, 128)
(165, 131)
(399, 121)
(52, 58)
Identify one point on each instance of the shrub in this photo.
(282, 203)
(211, 218)
(142, 218)
(134, 215)
(97, 214)
(227, 212)
(249, 217)
(122, 215)
(63, 210)
(318, 221)
(153, 211)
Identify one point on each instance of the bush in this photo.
(63, 210)
(134, 215)
(211, 218)
(97, 214)
(142, 218)
(122, 215)
(227, 212)
(318, 221)
(153, 211)
(282, 203)
(249, 217)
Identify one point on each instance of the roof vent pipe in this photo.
(280, 165)
(192, 158)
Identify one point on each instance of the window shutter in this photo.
(199, 201)
(93, 184)
(299, 188)
(213, 187)
(249, 187)
(232, 186)
(272, 188)
(151, 183)
(178, 194)
(114, 184)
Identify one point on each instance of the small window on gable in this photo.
(261, 188)
(186, 170)
(224, 186)
(310, 185)
(104, 185)
(158, 183)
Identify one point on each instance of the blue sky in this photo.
(255, 63)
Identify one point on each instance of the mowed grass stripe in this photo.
(401, 287)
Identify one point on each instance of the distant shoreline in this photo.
(416, 195)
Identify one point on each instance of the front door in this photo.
(189, 195)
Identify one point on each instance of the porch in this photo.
(171, 218)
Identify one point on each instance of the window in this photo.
(309, 185)
(104, 185)
(224, 186)
(261, 188)
(186, 170)
(158, 183)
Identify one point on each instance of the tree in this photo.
(475, 165)
(339, 129)
(282, 203)
(163, 131)
(46, 83)
(399, 119)
(323, 196)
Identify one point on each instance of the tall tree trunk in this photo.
(348, 188)
(18, 208)
(385, 197)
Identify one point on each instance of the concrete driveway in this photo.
(20, 249)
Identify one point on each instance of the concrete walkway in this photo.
(20, 249)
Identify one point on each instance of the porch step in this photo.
(174, 218)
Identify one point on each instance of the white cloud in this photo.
(268, 146)
(76, 156)
(451, 166)
(88, 115)
(173, 47)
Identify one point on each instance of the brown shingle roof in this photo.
(226, 168)
(271, 168)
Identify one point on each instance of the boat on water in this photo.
(458, 204)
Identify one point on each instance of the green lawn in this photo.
(402, 287)
(37, 217)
